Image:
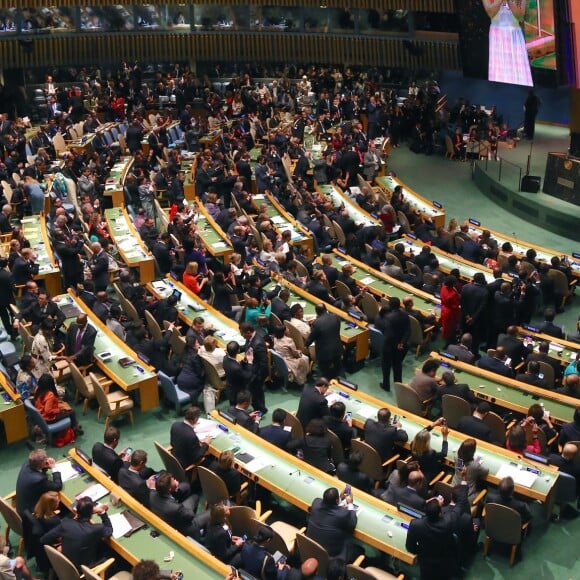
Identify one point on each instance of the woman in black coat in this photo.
(316, 446)
(219, 539)
(191, 378)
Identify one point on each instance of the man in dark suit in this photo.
(505, 496)
(276, 433)
(566, 462)
(548, 327)
(463, 350)
(474, 426)
(24, 267)
(280, 305)
(105, 456)
(40, 310)
(313, 403)
(238, 373)
(325, 333)
(165, 503)
(543, 356)
(80, 539)
(503, 312)
(396, 330)
(162, 252)
(432, 539)
(184, 441)
(257, 354)
(6, 297)
(32, 480)
(513, 346)
(239, 412)
(332, 525)
(496, 364)
(329, 270)
(337, 422)
(166, 309)
(80, 341)
(409, 495)
(131, 480)
(532, 376)
(382, 435)
(99, 266)
(450, 386)
(134, 136)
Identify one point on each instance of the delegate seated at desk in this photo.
(105, 456)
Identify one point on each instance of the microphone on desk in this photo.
(294, 472)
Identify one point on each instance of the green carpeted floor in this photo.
(549, 551)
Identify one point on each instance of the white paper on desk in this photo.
(219, 245)
(206, 428)
(158, 285)
(277, 219)
(332, 398)
(258, 196)
(255, 465)
(120, 525)
(127, 245)
(66, 470)
(95, 492)
(366, 412)
(367, 280)
(520, 476)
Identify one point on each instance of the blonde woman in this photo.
(430, 460)
(213, 353)
(43, 518)
(296, 361)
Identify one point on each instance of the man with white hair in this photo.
(99, 266)
(5, 227)
(471, 250)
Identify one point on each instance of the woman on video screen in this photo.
(508, 56)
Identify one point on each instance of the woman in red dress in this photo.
(450, 310)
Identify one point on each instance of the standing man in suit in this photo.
(80, 341)
(238, 373)
(33, 480)
(257, 354)
(81, 539)
(382, 435)
(276, 433)
(131, 480)
(396, 330)
(7, 298)
(165, 503)
(239, 412)
(163, 253)
(474, 310)
(105, 456)
(332, 525)
(99, 266)
(325, 333)
(313, 403)
(503, 312)
(474, 426)
(186, 446)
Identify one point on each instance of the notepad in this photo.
(367, 280)
(95, 492)
(120, 525)
(520, 476)
(66, 470)
(219, 245)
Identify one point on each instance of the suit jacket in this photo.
(80, 539)
(382, 437)
(551, 329)
(312, 405)
(281, 309)
(514, 348)
(237, 373)
(134, 484)
(219, 542)
(84, 356)
(99, 265)
(7, 288)
(276, 435)
(260, 363)
(495, 365)
(357, 478)
(161, 253)
(173, 512)
(474, 427)
(332, 528)
(325, 333)
(340, 429)
(520, 506)
(107, 459)
(33, 313)
(244, 419)
(554, 363)
(411, 498)
(463, 354)
(459, 390)
(474, 302)
(185, 443)
(31, 484)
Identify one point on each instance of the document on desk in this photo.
(366, 411)
(95, 492)
(206, 428)
(368, 280)
(255, 465)
(121, 525)
(520, 476)
(66, 470)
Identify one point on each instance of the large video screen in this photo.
(503, 40)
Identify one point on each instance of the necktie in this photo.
(79, 339)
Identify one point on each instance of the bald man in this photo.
(80, 341)
(567, 464)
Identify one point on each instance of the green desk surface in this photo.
(281, 223)
(347, 332)
(381, 284)
(140, 544)
(429, 208)
(446, 261)
(8, 405)
(510, 396)
(130, 245)
(191, 306)
(213, 240)
(520, 247)
(354, 211)
(117, 172)
(32, 228)
(367, 408)
(130, 375)
(302, 486)
(562, 351)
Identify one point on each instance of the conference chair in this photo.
(112, 404)
(214, 489)
(297, 430)
(565, 495)
(497, 426)
(445, 489)
(419, 337)
(14, 523)
(48, 429)
(342, 290)
(408, 400)
(376, 339)
(153, 326)
(336, 450)
(403, 222)
(369, 306)
(299, 342)
(308, 548)
(453, 408)
(84, 385)
(339, 232)
(284, 536)
(245, 520)
(274, 320)
(213, 377)
(90, 575)
(396, 260)
(561, 285)
(172, 465)
(302, 271)
(278, 369)
(371, 464)
(172, 393)
(503, 524)
(370, 573)
(64, 569)
(415, 271)
(548, 371)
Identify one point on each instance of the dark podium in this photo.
(562, 178)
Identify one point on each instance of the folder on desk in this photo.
(134, 522)
(70, 310)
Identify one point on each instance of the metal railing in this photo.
(502, 170)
